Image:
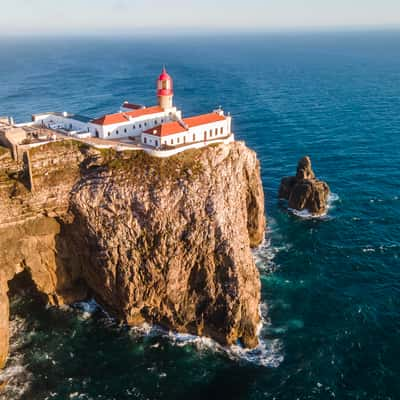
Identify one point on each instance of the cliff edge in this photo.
(167, 241)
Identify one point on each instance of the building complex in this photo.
(160, 128)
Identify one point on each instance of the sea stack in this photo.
(304, 191)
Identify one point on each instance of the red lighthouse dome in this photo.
(165, 84)
(165, 89)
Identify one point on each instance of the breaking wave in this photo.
(305, 214)
(16, 376)
(267, 354)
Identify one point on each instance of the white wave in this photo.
(333, 197)
(381, 248)
(16, 373)
(89, 308)
(368, 250)
(306, 214)
(268, 353)
(265, 254)
(17, 378)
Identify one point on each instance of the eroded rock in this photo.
(304, 191)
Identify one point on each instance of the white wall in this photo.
(135, 126)
(62, 122)
(168, 153)
(196, 134)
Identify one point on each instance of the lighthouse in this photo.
(165, 90)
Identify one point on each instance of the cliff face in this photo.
(164, 241)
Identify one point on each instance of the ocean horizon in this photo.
(330, 285)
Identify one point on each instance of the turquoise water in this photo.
(330, 287)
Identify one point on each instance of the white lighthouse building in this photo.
(160, 126)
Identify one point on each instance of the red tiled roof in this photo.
(145, 111)
(110, 119)
(132, 106)
(203, 119)
(118, 118)
(169, 128)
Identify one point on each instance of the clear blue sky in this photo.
(104, 17)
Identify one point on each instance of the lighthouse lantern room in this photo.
(165, 90)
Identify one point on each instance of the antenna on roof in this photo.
(183, 124)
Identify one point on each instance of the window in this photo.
(117, 132)
(194, 137)
(125, 130)
(155, 122)
(109, 133)
(145, 124)
(177, 140)
(145, 140)
(140, 125)
(216, 131)
(156, 142)
(172, 141)
(165, 142)
(210, 132)
(162, 120)
(222, 130)
(133, 127)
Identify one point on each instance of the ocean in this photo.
(330, 286)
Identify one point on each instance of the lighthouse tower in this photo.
(165, 90)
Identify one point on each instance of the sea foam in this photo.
(16, 373)
(268, 353)
(305, 214)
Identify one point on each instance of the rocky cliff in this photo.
(160, 240)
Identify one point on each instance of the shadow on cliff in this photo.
(22, 284)
(70, 259)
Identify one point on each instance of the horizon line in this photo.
(176, 32)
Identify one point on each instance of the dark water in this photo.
(330, 287)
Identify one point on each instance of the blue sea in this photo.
(330, 286)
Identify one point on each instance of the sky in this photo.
(105, 17)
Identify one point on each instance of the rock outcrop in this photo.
(304, 191)
(165, 241)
